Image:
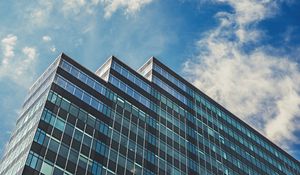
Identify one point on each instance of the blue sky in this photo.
(244, 54)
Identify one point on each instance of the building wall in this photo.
(158, 123)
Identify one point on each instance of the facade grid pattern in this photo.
(117, 121)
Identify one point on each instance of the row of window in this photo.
(253, 136)
(130, 91)
(229, 119)
(67, 89)
(169, 89)
(133, 78)
(117, 120)
(248, 157)
(21, 139)
(40, 81)
(64, 150)
(109, 94)
(174, 105)
(170, 77)
(115, 136)
(79, 135)
(83, 77)
(40, 90)
(79, 93)
(244, 141)
(241, 138)
(71, 154)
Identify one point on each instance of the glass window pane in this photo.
(78, 93)
(82, 77)
(94, 103)
(87, 140)
(78, 135)
(90, 82)
(33, 162)
(60, 124)
(74, 110)
(53, 145)
(46, 169)
(66, 66)
(86, 98)
(74, 72)
(73, 156)
(57, 171)
(82, 116)
(63, 151)
(65, 105)
(82, 161)
(69, 130)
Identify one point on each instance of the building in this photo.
(121, 121)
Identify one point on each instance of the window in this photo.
(74, 110)
(94, 103)
(96, 168)
(82, 115)
(65, 105)
(66, 66)
(86, 98)
(100, 148)
(87, 140)
(103, 128)
(70, 88)
(73, 156)
(150, 157)
(82, 161)
(53, 145)
(99, 88)
(61, 82)
(59, 124)
(129, 91)
(39, 136)
(33, 161)
(63, 151)
(78, 93)
(69, 130)
(90, 82)
(78, 135)
(82, 77)
(46, 169)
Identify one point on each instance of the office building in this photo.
(121, 121)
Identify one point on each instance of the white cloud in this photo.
(73, 6)
(110, 6)
(259, 85)
(30, 53)
(130, 6)
(52, 49)
(39, 14)
(8, 44)
(46, 38)
(17, 66)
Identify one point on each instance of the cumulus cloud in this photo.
(130, 6)
(8, 44)
(110, 6)
(53, 49)
(73, 6)
(39, 14)
(260, 86)
(46, 38)
(17, 64)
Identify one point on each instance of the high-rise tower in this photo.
(121, 121)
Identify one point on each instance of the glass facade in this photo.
(117, 121)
